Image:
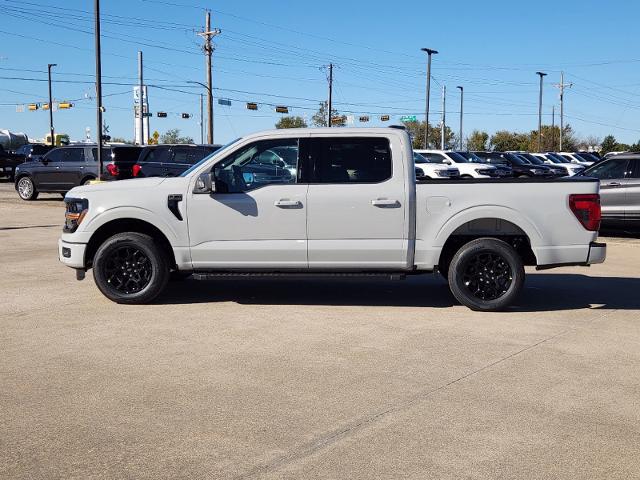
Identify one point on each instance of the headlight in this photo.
(485, 171)
(76, 211)
(443, 173)
(537, 171)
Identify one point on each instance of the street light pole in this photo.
(98, 85)
(53, 141)
(461, 112)
(542, 75)
(430, 52)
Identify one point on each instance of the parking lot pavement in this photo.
(312, 379)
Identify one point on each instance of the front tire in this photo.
(486, 275)
(130, 268)
(27, 189)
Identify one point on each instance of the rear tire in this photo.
(486, 275)
(26, 189)
(130, 268)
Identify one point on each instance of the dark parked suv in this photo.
(170, 160)
(521, 166)
(63, 168)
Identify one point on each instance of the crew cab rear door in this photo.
(257, 217)
(357, 204)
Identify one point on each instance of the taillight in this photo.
(135, 170)
(113, 169)
(586, 208)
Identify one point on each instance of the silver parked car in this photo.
(619, 189)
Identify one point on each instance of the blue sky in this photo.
(273, 53)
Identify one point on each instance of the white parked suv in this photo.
(429, 170)
(467, 168)
(575, 158)
(348, 205)
(558, 161)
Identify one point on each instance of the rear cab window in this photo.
(352, 160)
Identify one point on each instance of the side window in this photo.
(55, 156)
(353, 160)
(106, 155)
(157, 154)
(634, 169)
(182, 154)
(608, 170)
(246, 169)
(75, 155)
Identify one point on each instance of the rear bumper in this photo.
(71, 254)
(597, 253)
(581, 256)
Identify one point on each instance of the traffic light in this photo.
(341, 120)
(384, 118)
(45, 106)
(186, 115)
(252, 106)
(65, 105)
(161, 114)
(282, 109)
(33, 107)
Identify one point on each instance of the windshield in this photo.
(457, 157)
(555, 158)
(517, 159)
(587, 157)
(471, 157)
(195, 166)
(417, 158)
(533, 159)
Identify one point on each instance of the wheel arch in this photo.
(495, 222)
(122, 225)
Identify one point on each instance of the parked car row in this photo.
(440, 164)
(46, 169)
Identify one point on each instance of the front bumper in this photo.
(71, 254)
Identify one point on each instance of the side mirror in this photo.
(205, 184)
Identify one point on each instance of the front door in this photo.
(257, 216)
(47, 176)
(357, 204)
(612, 194)
(72, 168)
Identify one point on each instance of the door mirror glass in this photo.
(204, 184)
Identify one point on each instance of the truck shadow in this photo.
(543, 292)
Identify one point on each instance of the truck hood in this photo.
(131, 184)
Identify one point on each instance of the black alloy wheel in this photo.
(487, 275)
(128, 270)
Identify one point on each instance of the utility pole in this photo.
(53, 141)
(430, 52)
(461, 112)
(208, 48)
(201, 121)
(444, 116)
(99, 109)
(542, 75)
(140, 100)
(330, 103)
(553, 127)
(562, 86)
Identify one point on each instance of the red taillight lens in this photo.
(113, 169)
(135, 170)
(586, 208)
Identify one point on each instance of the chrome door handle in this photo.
(285, 203)
(613, 184)
(385, 203)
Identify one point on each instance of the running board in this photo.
(216, 275)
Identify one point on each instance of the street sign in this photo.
(408, 118)
(364, 118)
(224, 101)
(162, 115)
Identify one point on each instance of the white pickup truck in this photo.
(346, 203)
